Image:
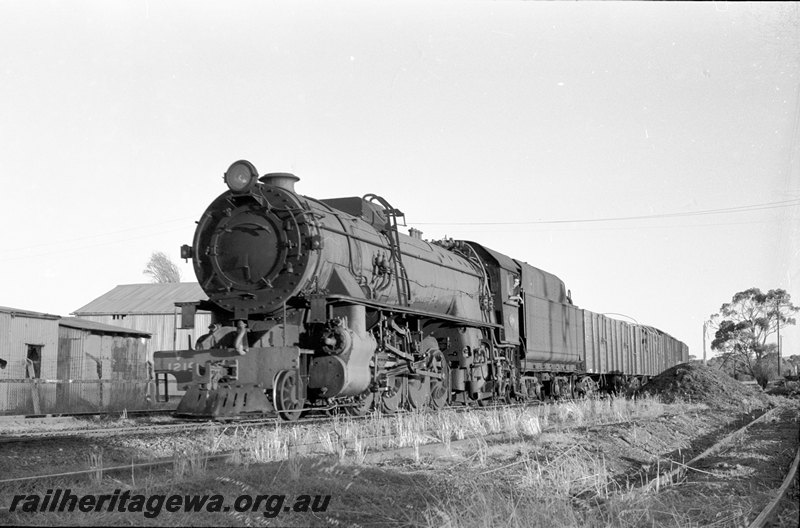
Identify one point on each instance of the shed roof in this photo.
(143, 299)
(27, 313)
(100, 328)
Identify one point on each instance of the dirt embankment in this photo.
(693, 383)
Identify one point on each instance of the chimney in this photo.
(284, 180)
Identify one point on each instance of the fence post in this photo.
(37, 409)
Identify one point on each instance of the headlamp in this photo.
(241, 176)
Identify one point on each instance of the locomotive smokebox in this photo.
(284, 180)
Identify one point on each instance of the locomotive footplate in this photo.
(220, 383)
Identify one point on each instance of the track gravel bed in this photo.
(744, 476)
(563, 476)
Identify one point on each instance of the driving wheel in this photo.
(440, 389)
(288, 402)
(390, 400)
(362, 405)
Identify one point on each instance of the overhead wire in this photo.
(99, 235)
(22, 254)
(727, 210)
(595, 227)
(17, 253)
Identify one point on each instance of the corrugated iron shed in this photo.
(29, 349)
(143, 299)
(100, 328)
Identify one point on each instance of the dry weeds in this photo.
(497, 470)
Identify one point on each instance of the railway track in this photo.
(669, 477)
(379, 447)
(374, 441)
(98, 414)
(679, 472)
(143, 429)
(771, 509)
(222, 428)
(186, 425)
(180, 425)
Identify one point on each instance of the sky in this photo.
(648, 154)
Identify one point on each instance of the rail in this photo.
(772, 506)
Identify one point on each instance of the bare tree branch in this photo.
(161, 269)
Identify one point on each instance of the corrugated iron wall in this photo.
(80, 370)
(16, 333)
(202, 320)
(162, 328)
(70, 364)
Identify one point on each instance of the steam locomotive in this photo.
(326, 305)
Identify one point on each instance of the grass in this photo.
(351, 440)
(559, 487)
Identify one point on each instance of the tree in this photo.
(744, 324)
(161, 269)
(729, 365)
(793, 365)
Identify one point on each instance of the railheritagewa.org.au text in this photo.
(63, 500)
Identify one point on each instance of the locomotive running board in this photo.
(412, 311)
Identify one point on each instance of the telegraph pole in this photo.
(705, 323)
(778, 310)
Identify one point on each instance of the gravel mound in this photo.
(701, 384)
